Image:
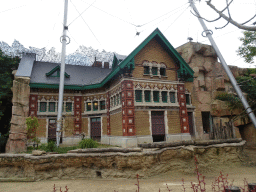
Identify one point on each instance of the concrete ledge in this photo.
(145, 139)
(71, 140)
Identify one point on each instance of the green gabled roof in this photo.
(184, 71)
(57, 68)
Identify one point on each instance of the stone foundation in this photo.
(123, 164)
(134, 141)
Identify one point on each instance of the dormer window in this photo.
(154, 70)
(55, 72)
(146, 70)
(162, 71)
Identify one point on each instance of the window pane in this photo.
(117, 98)
(164, 96)
(187, 99)
(162, 71)
(138, 95)
(147, 96)
(102, 105)
(43, 107)
(68, 107)
(154, 70)
(172, 97)
(95, 105)
(89, 106)
(52, 107)
(146, 70)
(156, 96)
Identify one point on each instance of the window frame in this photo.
(188, 99)
(50, 107)
(156, 96)
(145, 95)
(93, 105)
(68, 103)
(162, 68)
(87, 105)
(166, 97)
(172, 97)
(146, 70)
(102, 103)
(155, 69)
(138, 93)
(41, 106)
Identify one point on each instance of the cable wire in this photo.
(12, 8)
(163, 15)
(86, 23)
(111, 15)
(176, 19)
(82, 12)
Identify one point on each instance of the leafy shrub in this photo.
(51, 146)
(88, 143)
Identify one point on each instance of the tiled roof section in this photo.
(26, 65)
(79, 75)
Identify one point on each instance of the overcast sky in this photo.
(111, 24)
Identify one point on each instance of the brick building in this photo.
(145, 97)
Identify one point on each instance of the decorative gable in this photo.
(55, 72)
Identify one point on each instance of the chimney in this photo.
(106, 65)
(97, 64)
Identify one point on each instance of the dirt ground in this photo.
(153, 184)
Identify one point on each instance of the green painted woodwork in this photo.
(172, 97)
(164, 96)
(147, 95)
(156, 96)
(55, 72)
(138, 95)
(146, 70)
(102, 105)
(154, 70)
(43, 106)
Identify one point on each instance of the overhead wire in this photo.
(166, 18)
(86, 23)
(163, 15)
(82, 12)
(13, 8)
(111, 14)
(176, 19)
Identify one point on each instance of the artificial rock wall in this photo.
(120, 162)
(20, 110)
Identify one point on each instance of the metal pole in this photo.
(62, 71)
(225, 66)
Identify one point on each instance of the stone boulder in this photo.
(38, 153)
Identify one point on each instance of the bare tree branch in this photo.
(249, 20)
(197, 14)
(228, 15)
(229, 19)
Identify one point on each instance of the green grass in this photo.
(61, 149)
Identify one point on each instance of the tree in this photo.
(227, 17)
(248, 48)
(7, 65)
